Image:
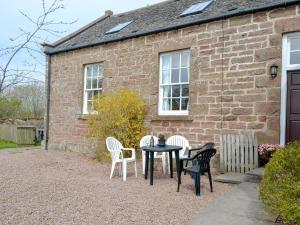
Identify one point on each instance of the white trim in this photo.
(285, 67)
(283, 91)
(85, 91)
(160, 95)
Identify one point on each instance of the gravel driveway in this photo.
(39, 187)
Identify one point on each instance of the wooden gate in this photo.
(238, 153)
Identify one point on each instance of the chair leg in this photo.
(169, 164)
(210, 180)
(143, 162)
(179, 181)
(124, 170)
(197, 184)
(135, 170)
(164, 164)
(112, 169)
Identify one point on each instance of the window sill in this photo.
(82, 116)
(172, 118)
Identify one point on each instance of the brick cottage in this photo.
(202, 67)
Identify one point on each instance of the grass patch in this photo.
(7, 144)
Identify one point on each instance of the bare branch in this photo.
(29, 43)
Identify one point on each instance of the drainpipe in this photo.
(47, 101)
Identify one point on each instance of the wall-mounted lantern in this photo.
(274, 71)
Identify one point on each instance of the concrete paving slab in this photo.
(232, 178)
(258, 172)
(241, 206)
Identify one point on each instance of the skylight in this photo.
(196, 8)
(118, 28)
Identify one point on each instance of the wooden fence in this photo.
(22, 135)
(238, 153)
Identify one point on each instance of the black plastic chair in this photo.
(201, 164)
(209, 145)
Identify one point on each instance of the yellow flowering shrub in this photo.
(118, 114)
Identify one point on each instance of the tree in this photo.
(29, 42)
(32, 98)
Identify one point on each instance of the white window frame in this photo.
(85, 90)
(161, 85)
(286, 66)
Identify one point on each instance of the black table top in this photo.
(167, 148)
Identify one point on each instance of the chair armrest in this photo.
(194, 149)
(128, 149)
(186, 159)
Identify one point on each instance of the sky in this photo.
(81, 11)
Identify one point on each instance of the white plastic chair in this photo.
(115, 148)
(178, 141)
(145, 141)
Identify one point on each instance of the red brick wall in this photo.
(230, 86)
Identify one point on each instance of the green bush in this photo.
(9, 109)
(119, 114)
(280, 187)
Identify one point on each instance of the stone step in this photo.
(253, 176)
(231, 178)
(258, 172)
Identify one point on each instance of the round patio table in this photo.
(150, 154)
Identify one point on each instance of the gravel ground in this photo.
(39, 187)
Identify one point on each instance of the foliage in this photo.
(280, 188)
(32, 97)
(119, 114)
(7, 144)
(9, 108)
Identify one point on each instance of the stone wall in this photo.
(230, 86)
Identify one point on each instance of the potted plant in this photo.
(265, 152)
(161, 140)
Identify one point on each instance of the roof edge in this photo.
(107, 14)
(206, 20)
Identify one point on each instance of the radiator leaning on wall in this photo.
(238, 153)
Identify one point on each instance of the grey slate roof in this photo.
(156, 18)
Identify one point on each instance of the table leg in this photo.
(151, 167)
(146, 164)
(178, 169)
(171, 164)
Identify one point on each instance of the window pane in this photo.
(185, 59)
(295, 44)
(89, 105)
(184, 75)
(295, 58)
(96, 93)
(167, 91)
(166, 62)
(175, 104)
(166, 77)
(184, 103)
(100, 71)
(175, 76)
(185, 90)
(99, 82)
(175, 60)
(95, 70)
(89, 71)
(90, 95)
(166, 104)
(94, 83)
(88, 83)
(176, 91)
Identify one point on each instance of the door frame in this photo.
(284, 72)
